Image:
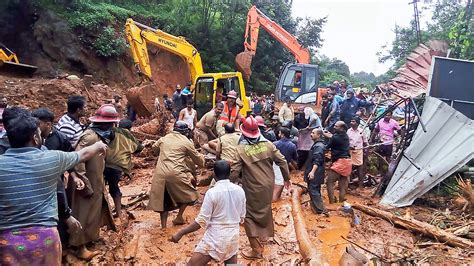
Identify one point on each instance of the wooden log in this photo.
(419, 227)
(310, 254)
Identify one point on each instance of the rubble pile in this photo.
(53, 93)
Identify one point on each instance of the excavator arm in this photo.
(139, 35)
(255, 19)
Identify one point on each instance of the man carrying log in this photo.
(255, 157)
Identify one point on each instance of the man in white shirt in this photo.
(222, 210)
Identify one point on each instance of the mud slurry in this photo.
(140, 239)
(148, 243)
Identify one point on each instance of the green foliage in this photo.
(461, 35)
(331, 70)
(215, 27)
(364, 79)
(108, 44)
(309, 33)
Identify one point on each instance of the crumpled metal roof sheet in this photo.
(412, 77)
(431, 157)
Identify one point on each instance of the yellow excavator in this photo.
(9, 63)
(207, 86)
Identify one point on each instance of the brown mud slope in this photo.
(44, 39)
(53, 93)
(141, 240)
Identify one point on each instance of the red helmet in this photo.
(105, 114)
(249, 127)
(232, 95)
(261, 122)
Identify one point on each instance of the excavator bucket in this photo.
(243, 61)
(142, 98)
(17, 69)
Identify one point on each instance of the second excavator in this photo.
(298, 82)
(207, 86)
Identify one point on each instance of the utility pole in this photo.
(417, 19)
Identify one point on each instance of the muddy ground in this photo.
(140, 239)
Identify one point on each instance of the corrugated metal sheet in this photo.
(431, 157)
(412, 77)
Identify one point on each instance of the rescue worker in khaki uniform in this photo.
(206, 127)
(254, 158)
(172, 186)
(90, 205)
(225, 147)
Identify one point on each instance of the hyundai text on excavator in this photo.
(206, 85)
(9, 63)
(298, 82)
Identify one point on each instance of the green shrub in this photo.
(109, 43)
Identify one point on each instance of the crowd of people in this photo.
(53, 195)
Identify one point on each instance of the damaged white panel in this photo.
(431, 157)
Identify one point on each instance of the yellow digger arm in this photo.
(139, 35)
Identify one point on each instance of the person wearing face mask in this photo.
(90, 204)
(28, 193)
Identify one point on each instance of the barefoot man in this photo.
(171, 187)
(222, 210)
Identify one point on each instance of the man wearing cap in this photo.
(206, 127)
(255, 157)
(172, 187)
(90, 205)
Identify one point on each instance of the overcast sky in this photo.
(356, 29)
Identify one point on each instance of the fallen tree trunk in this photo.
(418, 226)
(308, 251)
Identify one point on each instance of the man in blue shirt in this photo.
(350, 106)
(288, 149)
(28, 203)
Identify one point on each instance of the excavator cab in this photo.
(213, 87)
(298, 83)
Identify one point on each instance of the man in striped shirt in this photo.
(28, 204)
(69, 123)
